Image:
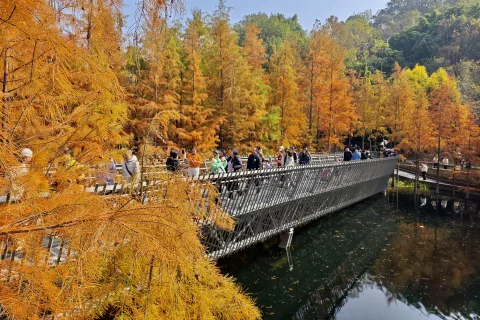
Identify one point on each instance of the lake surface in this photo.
(384, 258)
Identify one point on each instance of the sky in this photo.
(307, 10)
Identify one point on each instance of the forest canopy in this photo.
(80, 87)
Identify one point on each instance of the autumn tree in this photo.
(334, 108)
(115, 256)
(400, 99)
(235, 91)
(257, 88)
(365, 107)
(285, 93)
(444, 101)
(418, 121)
(198, 126)
(380, 98)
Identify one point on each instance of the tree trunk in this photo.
(417, 173)
(311, 98)
(363, 141)
(331, 107)
(454, 174)
(437, 190)
(467, 196)
(4, 99)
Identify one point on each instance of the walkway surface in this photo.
(411, 176)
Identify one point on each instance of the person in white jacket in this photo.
(424, 169)
(445, 163)
(130, 167)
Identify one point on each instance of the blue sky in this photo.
(307, 10)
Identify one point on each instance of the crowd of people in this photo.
(358, 154)
(222, 162)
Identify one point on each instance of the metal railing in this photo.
(263, 203)
(267, 202)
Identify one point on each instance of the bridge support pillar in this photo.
(286, 239)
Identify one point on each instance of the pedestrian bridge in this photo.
(265, 203)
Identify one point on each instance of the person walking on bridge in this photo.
(262, 157)
(356, 155)
(194, 163)
(281, 157)
(254, 162)
(130, 167)
(304, 157)
(347, 155)
(235, 163)
(290, 161)
(424, 169)
(218, 165)
(435, 161)
(173, 163)
(445, 163)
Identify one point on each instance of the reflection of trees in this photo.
(355, 252)
(437, 268)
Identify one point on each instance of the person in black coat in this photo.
(173, 163)
(304, 157)
(363, 155)
(236, 161)
(347, 155)
(254, 162)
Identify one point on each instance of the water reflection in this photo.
(373, 262)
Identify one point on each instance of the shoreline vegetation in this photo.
(79, 88)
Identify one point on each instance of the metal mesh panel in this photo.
(266, 202)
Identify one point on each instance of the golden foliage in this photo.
(139, 260)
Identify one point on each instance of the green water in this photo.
(379, 259)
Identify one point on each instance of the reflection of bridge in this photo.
(267, 202)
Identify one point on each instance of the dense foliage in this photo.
(74, 83)
(450, 40)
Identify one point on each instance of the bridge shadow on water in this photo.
(418, 260)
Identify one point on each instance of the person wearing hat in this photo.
(21, 170)
(25, 158)
(218, 165)
(280, 157)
